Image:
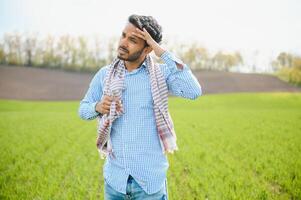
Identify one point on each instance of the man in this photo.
(136, 166)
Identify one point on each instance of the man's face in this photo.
(130, 47)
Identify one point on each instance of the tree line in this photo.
(81, 53)
(288, 67)
(66, 52)
(85, 54)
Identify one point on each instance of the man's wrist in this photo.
(158, 50)
(95, 107)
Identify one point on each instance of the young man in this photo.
(129, 98)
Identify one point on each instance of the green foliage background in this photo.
(234, 146)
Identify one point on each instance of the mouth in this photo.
(120, 49)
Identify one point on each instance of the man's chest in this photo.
(137, 91)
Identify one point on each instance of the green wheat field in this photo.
(231, 146)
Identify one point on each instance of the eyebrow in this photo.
(133, 37)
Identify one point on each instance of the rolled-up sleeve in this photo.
(179, 77)
(93, 95)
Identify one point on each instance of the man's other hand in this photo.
(103, 106)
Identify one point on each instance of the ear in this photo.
(148, 49)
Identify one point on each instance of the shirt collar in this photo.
(143, 65)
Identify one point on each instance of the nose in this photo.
(123, 42)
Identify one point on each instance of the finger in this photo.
(105, 111)
(139, 35)
(139, 31)
(108, 98)
(117, 100)
(119, 106)
(119, 109)
(106, 107)
(145, 31)
(107, 103)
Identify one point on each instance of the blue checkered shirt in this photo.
(134, 135)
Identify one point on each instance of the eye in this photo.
(134, 41)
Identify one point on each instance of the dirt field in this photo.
(29, 83)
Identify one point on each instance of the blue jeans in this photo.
(133, 192)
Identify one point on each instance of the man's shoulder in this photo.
(102, 71)
(100, 74)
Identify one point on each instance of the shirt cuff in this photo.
(172, 62)
(93, 105)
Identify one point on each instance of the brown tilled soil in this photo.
(28, 83)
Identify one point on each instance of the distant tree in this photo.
(29, 47)
(2, 54)
(288, 67)
(223, 61)
(12, 44)
(196, 56)
(283, 60)
(297, 62)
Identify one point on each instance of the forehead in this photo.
(129, 28)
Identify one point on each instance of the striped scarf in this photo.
(114, 85)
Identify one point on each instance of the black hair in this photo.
(149, 23)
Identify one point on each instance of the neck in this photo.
(131, 65)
